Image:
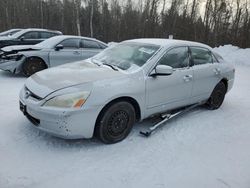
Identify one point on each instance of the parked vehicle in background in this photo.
(49, 53)
(128, 82)
(28, 37)
(9, 32)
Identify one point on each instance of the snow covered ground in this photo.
(208, 149)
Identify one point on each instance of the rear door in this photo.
(70, 52)
(90, 48)
(206, 73)
(171, 91)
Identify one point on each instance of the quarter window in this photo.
(200, 56)
(90, 44)
(218, 57)
(46, 35)
(70, 43)
(176, 58)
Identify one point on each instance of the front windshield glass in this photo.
(19, 33)
(128, 55)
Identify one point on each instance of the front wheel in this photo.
(115, 123)
(217, 97)
(33, 65)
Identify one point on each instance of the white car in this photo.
(127, 82)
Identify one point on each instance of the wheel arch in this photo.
(130, 100)
(225, 81)
(26, 61)
(37, 57)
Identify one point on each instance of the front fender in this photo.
(132, 86)
(44, 55)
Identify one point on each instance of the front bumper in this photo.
(11, 65)
(63, 123)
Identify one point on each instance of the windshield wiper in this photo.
(110, 65)
(95, 62)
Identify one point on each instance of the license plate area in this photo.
(33, 120)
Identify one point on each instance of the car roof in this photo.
(39, 29)
(168, 42)
(56, 39)
(74, 36)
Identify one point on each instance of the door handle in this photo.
(217, 71)
(76, 53)
(187, 78)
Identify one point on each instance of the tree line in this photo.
(215, 22)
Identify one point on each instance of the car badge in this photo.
(27, 94)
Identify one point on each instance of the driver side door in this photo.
(170, 91)
(70, 52)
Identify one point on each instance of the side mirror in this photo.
(162, 70)
(22, 39)
(59, 47)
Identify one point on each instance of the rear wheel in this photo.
(33, 65)
(217, 97)
(115, 123)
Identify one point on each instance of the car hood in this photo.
(19, 48)
(48, 81)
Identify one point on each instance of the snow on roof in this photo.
(168, 42)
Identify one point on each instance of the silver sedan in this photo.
(128, 82)
(29, 59)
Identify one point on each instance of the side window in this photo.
(102, 46)
(31, 35)
(176, 58)
(46, 35)
(70, 43)
(89, 44)
(200, 56)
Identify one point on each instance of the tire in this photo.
(115, 123)
(217, 97)
(33, 65)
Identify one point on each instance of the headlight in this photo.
(15, 57)
(73, 100)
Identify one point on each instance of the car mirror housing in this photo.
(59, 47)
(162, 70)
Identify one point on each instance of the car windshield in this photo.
(127, 56)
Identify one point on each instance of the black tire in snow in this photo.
(217, 97)
(115, 123)
(33, 65)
